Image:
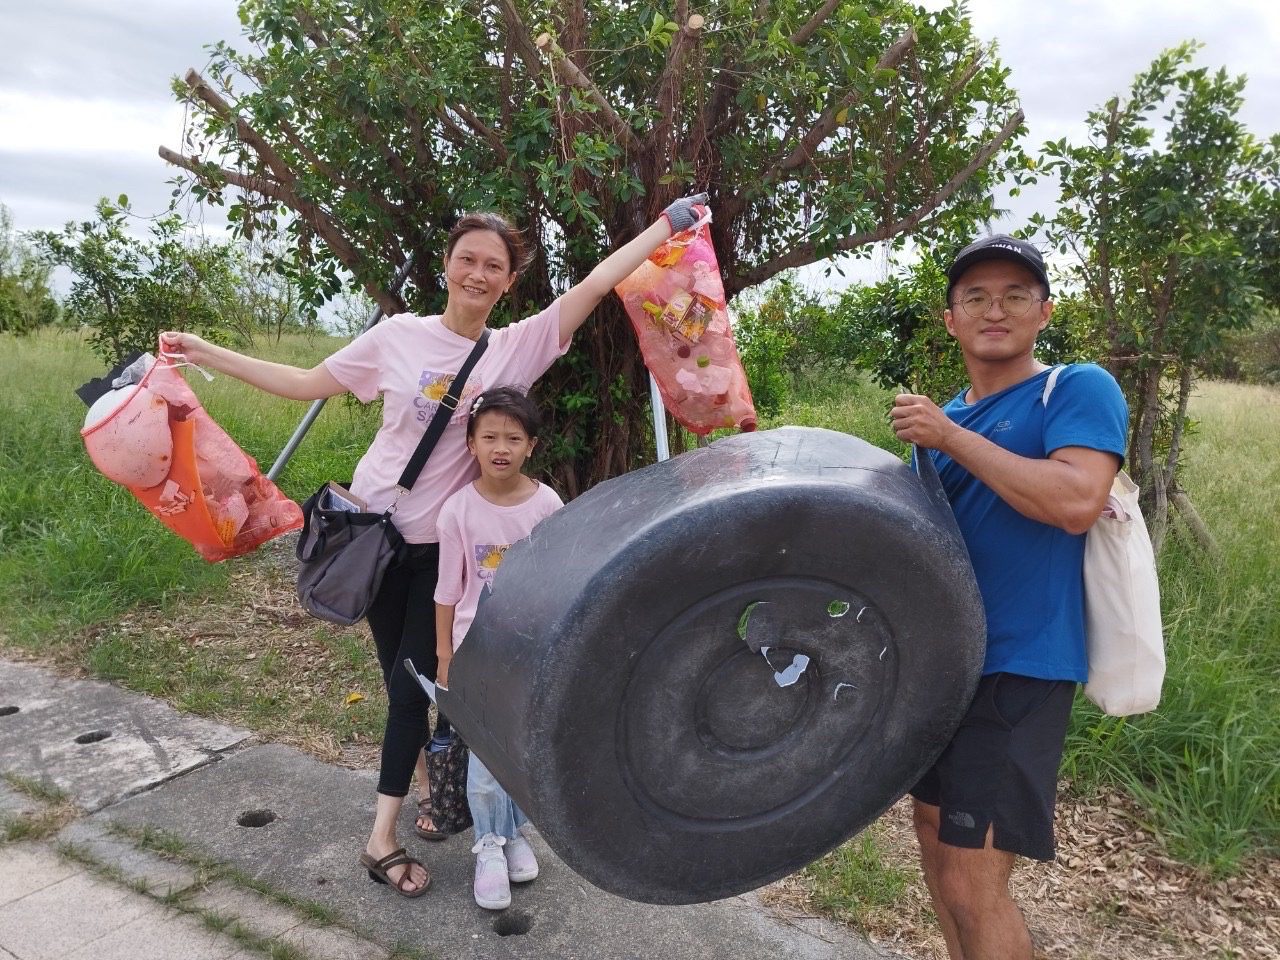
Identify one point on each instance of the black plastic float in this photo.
(698, 677)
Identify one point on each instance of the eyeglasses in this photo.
(1014, 304)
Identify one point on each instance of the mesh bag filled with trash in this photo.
(676, 304)
(147, 431)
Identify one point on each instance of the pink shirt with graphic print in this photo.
(474, 535)
(411, 361)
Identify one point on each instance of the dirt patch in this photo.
(251, 657)
(1111, 894)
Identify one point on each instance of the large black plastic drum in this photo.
(701, 676)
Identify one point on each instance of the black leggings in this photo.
(403, 620)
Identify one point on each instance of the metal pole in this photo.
(396, 283)
(659, 421)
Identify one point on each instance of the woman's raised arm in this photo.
(293, 383)
(584, 297)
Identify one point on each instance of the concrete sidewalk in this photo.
(198, 843)
(53, 907)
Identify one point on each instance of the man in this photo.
(1026, 480)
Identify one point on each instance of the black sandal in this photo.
(378, 871)
(427, 833)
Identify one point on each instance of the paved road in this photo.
(261, 845)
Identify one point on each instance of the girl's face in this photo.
(478, 270)
(500, 445)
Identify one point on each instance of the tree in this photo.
(367, 125)
(26, 301)
(1172, 241)
(253, 297)
(128, 290)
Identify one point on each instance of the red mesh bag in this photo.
(160, 443)
(676, 304)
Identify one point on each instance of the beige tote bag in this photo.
(1124, 636)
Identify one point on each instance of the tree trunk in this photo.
(1195, 525)
(597, 429)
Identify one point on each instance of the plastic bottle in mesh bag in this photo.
(150, 434)
(675, 301)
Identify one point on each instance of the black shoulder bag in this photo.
(343, 554)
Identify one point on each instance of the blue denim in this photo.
(492, 808)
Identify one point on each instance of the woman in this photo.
(410, 361)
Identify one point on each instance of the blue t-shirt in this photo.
(1030, 573)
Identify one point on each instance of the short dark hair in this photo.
(519, 255)
(510, 401)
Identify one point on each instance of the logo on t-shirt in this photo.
(488, 559)
(433, 385)
(1003, 425)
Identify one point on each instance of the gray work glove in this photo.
(684, 213)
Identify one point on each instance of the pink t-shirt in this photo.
(411, 361)
(474, 534)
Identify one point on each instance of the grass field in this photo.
(1205, 764)
(88, 577)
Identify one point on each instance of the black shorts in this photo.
(1001, 767)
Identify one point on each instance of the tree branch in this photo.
(666, 93)
(807, 252)
(200, 87)
(459, 136)
(1199, 529)
(311, 213)
(479, 127)
(368, 129)
(801, 36)
(519, 34)
(927, 124)
(576, 78)
(807, 147)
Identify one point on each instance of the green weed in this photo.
(37, 789)
(853, 881)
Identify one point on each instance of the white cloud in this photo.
(85, 101)
(72, 126)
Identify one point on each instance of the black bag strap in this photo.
(448, 404)
(927, 471)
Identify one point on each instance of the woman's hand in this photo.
(193, 348)
(685, 212)
(442, 674)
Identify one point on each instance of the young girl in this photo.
(476, 525)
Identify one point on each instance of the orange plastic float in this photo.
(158, 441)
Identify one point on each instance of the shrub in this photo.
(25, 299)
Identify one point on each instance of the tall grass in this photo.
(75, 548)
(1204, 765)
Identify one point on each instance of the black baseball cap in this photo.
(1001, 246)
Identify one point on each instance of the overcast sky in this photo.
(85, 99)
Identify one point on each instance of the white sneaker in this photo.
(522, 865)
(491, 888)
